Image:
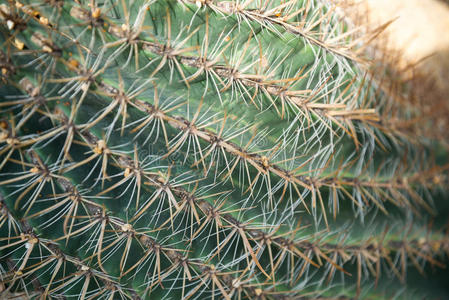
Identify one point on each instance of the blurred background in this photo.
(420, 30)
(415, 48)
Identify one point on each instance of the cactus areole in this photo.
(207, 149)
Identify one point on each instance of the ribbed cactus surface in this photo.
(207, 149)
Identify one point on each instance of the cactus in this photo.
(206, 149)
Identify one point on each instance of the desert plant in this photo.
(207, 149)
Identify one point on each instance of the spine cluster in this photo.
(195, 149)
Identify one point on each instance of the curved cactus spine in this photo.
(194, 149)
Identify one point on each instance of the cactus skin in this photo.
(207, 149)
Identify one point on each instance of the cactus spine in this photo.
(206, 149)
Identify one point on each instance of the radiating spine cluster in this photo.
(197, 149)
